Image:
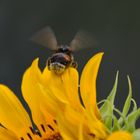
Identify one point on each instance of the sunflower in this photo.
(56, 109)
(93, 123)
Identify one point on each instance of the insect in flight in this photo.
(62, 58)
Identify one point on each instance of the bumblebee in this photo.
(62, 56)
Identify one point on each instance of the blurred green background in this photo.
(115, 24)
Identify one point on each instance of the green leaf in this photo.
(131, 120)
(136, 134)
(127, 102)
(116, 125)
(108, 115)
(135, 104)
(106, 109)
(123, 118)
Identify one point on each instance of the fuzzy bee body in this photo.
(62, 58)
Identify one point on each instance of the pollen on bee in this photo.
(57, 68)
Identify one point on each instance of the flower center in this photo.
(55, 136)
(36, 135)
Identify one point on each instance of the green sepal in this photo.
(106, 109)
(116, 125)
(135, 104)
(123, 118)
(131, 120)
(127, 102)
(136, 134)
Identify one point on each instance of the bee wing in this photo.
(82, 40)
(45, 37)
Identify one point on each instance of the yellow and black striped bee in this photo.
(62, 58)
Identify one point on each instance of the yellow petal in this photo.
(32, 93)
(52, 104)
(69, 125)
(12, 114)
(73, 125)
(51, 107)
(64, 87)
(120, 135)
(88, 83)
(54, 84)
(81, 132)
(6, 134)
(96, 127)
(43, 96)
(70, 79)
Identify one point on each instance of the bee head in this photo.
(64, 49)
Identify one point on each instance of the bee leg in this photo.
(48, 62)
(74, 64)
